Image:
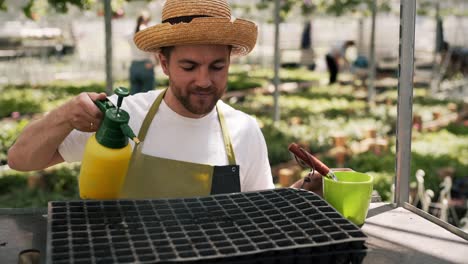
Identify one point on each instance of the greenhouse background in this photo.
(46, 60)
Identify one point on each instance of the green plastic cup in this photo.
(350, 195)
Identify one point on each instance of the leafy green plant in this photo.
(298, 75)
(285, 75)
(31, 198)
(457, 129)
(242, 81)
(63, 179)
(13, 180)
(431, 164)
(60, 183)
(382, 184)
(24, 102)
(442, 143)
(369, 161)
(8, 133)
(277, 143)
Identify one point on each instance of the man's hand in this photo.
(82, 113)
(313, 182)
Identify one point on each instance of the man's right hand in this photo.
(82, 113)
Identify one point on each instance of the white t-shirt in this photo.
(173, 136)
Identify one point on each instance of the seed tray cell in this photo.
(272, 226)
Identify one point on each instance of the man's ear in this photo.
(164, 63)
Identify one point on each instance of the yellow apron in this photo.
(153, 177)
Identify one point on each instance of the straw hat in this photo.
(192, 22)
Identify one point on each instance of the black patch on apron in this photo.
(225, 179)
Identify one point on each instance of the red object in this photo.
(309, 159)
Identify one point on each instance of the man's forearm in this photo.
(36, 147)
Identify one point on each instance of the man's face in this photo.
(197, 78)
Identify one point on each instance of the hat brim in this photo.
(241, 34)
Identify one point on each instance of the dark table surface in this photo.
(22, 230)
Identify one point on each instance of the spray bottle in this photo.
(107, 152)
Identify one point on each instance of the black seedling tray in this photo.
(273, 226)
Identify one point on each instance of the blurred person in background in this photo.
(338, 58)
(142, 77)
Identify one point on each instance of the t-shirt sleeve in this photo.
(72, 148)
(258, 172)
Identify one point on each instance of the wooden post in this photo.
(371, 133)
(340, 149)
(286, 177)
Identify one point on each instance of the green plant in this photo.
(431, 164)
(59, 183)
(24, 197)
(24, 102)
(369, 161)
(298, 75)
(11, 181)
(9, 130)
(442, 143)
(277, 143)
(382, 184)
(63, 179)
(242, 81)
(457, 129)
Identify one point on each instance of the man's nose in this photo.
(203, 78)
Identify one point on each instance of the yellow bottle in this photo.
(107, 153)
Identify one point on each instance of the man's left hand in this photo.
(313, 182)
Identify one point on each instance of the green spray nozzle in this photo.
(114, 130)
(129, 133)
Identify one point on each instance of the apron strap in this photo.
(154, 108)
(150, 115)
(226, 137)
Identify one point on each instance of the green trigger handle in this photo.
(104, 105)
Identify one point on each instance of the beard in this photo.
(198, 101)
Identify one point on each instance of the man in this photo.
(192, 143)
